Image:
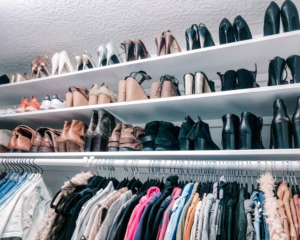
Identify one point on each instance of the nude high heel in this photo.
(102, 54)
(87, 61)
(79, 64)
(106, 95)
(55, 62)
(34, 67)
(160, 43)
(94, 93)
(172, 45)
(64, 62)
(42, 67)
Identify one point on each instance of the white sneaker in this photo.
(57, 103)
(46, 103)
(10, 111)
(2, 111)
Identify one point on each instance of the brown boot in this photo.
(50, 141)
(131, 138)
(63, 137)
(41, 142)
(21, 139)
(75, 137)
(113, 144)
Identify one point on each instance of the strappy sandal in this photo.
(79, 97)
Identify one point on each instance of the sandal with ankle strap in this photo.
(79, 97)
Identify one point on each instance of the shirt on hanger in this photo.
(189, 221)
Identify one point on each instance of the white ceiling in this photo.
(35, 27)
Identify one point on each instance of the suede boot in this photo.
(151, 130)
(184, 141)
(167, 137)
(130, 139)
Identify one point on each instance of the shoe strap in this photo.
(170, 78)
(168, 31)
(82, 90)
(145, 76)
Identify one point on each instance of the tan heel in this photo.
(155, 90)
(72, 147)
(69, 99)
(93, 100)
(79, 99)
(122, 91)
(103, 99)
(134, 91)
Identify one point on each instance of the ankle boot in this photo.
(63, 137)
(281, 127)
(167, 137)
(105, 126)
(272, 20)
(230, 132)
(151, 131)
(290, 16)
(296, 125)
(75, 137)
(184, 141)
(241, 29)
(90, 132)
(250, 132)
(21, 139)
(200, 136)
(44, 140)
(246, 78)
(293, 63)
(130, 139)
(202, 84)
(276, 68)
(228, 80)
(114, 139)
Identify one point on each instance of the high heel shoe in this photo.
(276, 68)
(79, 64)
(188, 82)
(241, 29)
(293, 63)
(272, 20)
(160, 43)
(127, 45)
(79, 97)
(18, 77)
(192, 38)
(140, 51)
(42, 67)
(35, 66)
(172, 45)
(205, 37)
(87, 61)
(226, 32)
(289, 16)
(102, 55)
(64, 62)
(202, 84)
(113, 54)
(55, 63)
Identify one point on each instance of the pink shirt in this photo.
(138, 212)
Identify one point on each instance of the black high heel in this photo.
(226, 32)
(296, 125)
(272, 20)
(205, 37)
(140, 51)
(290, 16)
(276, 68)
(192, 38)
(128, 47)
(241, 29)
(293, 63)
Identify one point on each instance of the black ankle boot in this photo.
(296, 125)
(88, 147)
(230, 133)
(192, 38)
(281, 127)
(246, 78)
(272, 20)
(4, 79)
(167, 137)
(151, 130)
(226, 32)
(241, 29)
(228, 80)
(250, 132)
(276, 69)
(293, 63)
(184, 141)
(105, 126)
(289, 16)
(200, 136)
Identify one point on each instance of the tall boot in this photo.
(151, 131)
(281, 127)
(167, 137)
(228, 80)
(105, 126)
(75, 137)
(114, 139)
(289, 16)
(296, 125)
(250, 132)
(230, 132)
(276, 68)
(184, 142)
(293, 63)
(89, 138)
(246, 78)
(272, 20)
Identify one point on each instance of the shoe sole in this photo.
(30, 109)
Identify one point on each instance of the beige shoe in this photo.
(101, 95)
(77, 98)
(94, 93)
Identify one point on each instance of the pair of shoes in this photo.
(101, 95)
(168, 87)
(239, 31)
(109, 54)
(28, 106)
(45, 139)
(7, 111)
(130, 89)
(198, 37)
(38, 66)
(166, 43)
(195, 136)
(242, 134)
(100, 129)
(52, 103)
(197, 83)
(134, 50)
(4, 79)
(84, 62)
(125, 137)
(77, 98)
(5, 136)
(240, 79)
(61, 61)
(18, 77)
(160, 136)
(72, 138)
(278, 65)
(289, 15)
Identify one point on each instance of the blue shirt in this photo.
(9, 185)
(262, 200)
(4, 180)
(255, 198)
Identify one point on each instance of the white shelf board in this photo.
(209, 60)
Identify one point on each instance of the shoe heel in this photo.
(169, 40)
(122, 91)
(34, 149)
(128, 52)
(72, 147)
(189, 39)
(88, 144)
(245, 141)
(79, 100)
(160, 44)
(137, 51)
(93, 100)
(229, 142)
(202, 36)
(185, 144)
(200, 144)
(103, 99)
(69, 99)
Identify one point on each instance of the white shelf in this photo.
(209, 60)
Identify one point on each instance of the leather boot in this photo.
(228, 80)
(21, 139)
(63, 137)
(296, 125)
(200, 136)
(75, 137)
(293, 63)
(250, 132)
(276, 68)
(272, 20)
(130, 139)
(281, 127)
(246, 78)
(184, 141)
(50, 140)
(113, 144)
(89, 138)
(230, 132)
(167, 137)
(5, 136)
(289, 16)
(151, 131)
(105, 126)
(42, 141)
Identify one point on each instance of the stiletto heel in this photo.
(79, 64)
(127, 45)
(64, 62)
(102, 54)
(192, 38)
(290, 16)
(35, 66)
(241, 29)
(42, 67)
(272, 20)
(55, 63)
(160, 43)
(205, 37)
(226, 32)
(140, 51)
(172, 45)
(87, 61)
(113, 54)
